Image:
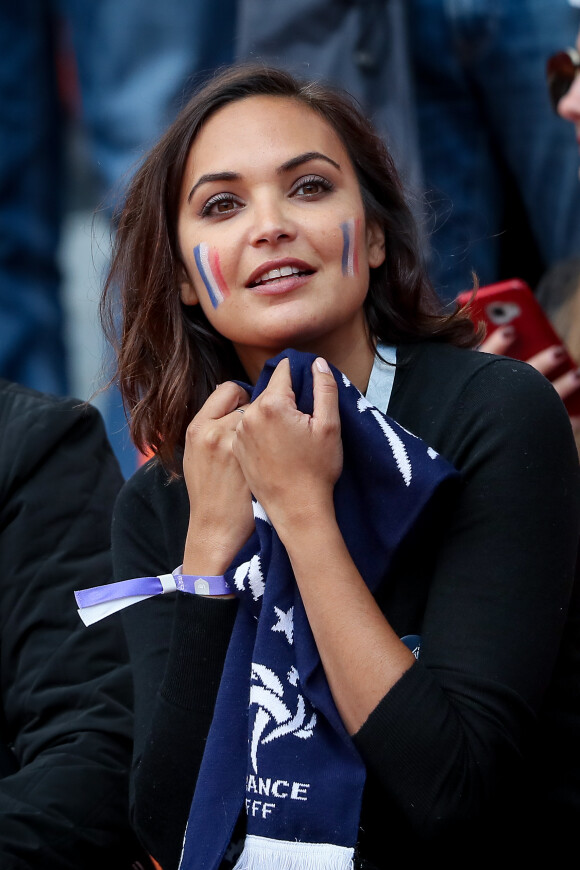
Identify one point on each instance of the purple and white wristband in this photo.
(98, 602)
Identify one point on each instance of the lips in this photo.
(275, 270)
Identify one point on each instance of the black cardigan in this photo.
(65, 718)
(486, 582)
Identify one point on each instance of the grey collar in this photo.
(382, 376)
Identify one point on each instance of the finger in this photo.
(280, 387)
(325, 393)
(499, 341)
(225, 398)
(548, 360)
(281, 379)
(238, 413)
(567, 384)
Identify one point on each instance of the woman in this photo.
(269, 224)
(568, 106)
(556, 289)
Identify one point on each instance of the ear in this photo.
(375, 245)
(187, 291)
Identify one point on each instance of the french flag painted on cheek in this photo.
(208, 265)
(350, 231)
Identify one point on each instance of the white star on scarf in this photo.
(285, 623)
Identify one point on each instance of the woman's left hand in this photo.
(291, 461)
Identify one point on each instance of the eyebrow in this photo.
(213, 176)
(305, 158)
(293, 163)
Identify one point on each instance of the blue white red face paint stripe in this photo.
(350, 231)
(208, 266)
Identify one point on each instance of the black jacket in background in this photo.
(65, 720)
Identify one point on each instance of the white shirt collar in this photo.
(382, 376)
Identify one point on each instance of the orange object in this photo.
(142, 458)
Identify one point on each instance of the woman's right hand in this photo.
(220, 516)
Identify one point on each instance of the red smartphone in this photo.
(513, 303)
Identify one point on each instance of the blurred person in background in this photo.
(564, 84)
(558, 290)
(133, 63)
(66, 723)
(499, 167)
(359, 45)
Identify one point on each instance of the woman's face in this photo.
(272, 233)
(569, 105)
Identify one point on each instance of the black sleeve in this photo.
(442, 741)
(177, 645)
(66, 691)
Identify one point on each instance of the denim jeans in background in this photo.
(137, 62)
(487, 131)
(358, 45)
(32, 347)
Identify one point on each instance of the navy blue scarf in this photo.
(277, 745)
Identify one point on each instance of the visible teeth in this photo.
(282, 272)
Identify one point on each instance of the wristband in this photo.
(98, 602)
(200, 584)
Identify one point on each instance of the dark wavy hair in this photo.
(169, 357)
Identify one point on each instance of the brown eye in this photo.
(221, 204)
(311, 186)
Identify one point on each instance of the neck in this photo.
(355, 361)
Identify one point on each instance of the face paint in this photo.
(349, 249)
(208, 265)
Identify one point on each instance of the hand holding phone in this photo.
(512, 303)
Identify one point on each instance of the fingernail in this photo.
(575, 376)
(322, 365)
(559, 352)
(508, 332)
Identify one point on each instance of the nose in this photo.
(272, 223)
(569, 105)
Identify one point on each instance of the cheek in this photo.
(350, 244)
(207, 261)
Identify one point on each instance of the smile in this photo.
(275, 274)
(281, 270)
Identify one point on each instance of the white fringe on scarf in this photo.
(262, 852)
